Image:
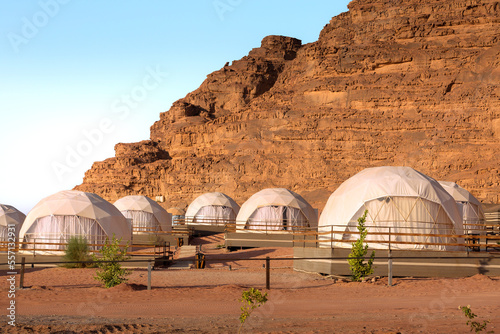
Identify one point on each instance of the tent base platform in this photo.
(201, 230)
(255, 239)
(405, 263)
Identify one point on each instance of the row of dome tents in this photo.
(272, 209)
(418, 211)
(396, 197)
(68, 213)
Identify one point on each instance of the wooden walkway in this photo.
(187, 254)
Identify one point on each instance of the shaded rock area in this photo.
(390, 82)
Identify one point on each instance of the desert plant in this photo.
(251, 299)
(475, 326)
(357, 265)
(77, 250)
(110, 271)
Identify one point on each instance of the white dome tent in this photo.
(146, 214)
(470, 208)
(277, 209)
(212, 209)
(399, 198)
(74, 213)
(10, 216)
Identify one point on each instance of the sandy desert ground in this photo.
(206, 301)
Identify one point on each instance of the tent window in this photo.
(59, 229)
(3, 233)
(471, 215)
(142, 221)
(213, 214)
(276, 218)
(403, 215)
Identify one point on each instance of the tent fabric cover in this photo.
(275, 200)
(142, 221)
(276, 218)
(469, 206)
(137, 208)
(77, 208)
(10, 215)
(43, 231)
(389, 194)
(215, 205)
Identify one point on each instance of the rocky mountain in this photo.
(390, 82)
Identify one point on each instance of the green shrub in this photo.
(475, 326)
(359, 268)
(110, 271)
(77, 250)
(251, 299)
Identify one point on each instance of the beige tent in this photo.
(74, 213)
(212, 209)
(276, 209)
(10, 216)
(399, 198)
(146, 214)
(470, 208)
(176, 211)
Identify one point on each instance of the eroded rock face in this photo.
(403, 83)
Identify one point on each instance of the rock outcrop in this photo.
(390, 82)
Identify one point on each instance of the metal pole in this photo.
(149, 275)
(21, 280)
(268, 274)
(389, 262)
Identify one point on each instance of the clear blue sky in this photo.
(79, 76)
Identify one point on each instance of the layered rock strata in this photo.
(402, 83)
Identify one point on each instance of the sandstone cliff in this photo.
(390, 82)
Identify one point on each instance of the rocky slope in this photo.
(390, 82)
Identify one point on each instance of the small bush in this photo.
(110, 271)
(359, 269)
(475, 326)
(77, 250)
(251, 299)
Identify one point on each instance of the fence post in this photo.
(21, 280)
(389, 261)
(268, 273)
(149, 275)
(331, 236)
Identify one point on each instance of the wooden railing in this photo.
(482, 236)
(330, 236)
(46, 245)
(145, 230)
(189, 220)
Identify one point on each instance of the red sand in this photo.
(206, 301)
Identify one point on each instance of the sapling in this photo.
(475, 326)
(110, 271)
(251, 299)
(359, 268)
